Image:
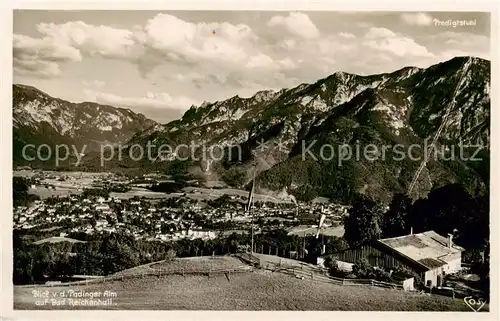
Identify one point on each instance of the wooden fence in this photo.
(158, 273)
(322, 276)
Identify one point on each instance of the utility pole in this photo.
(32, 279)
(304, 246)
(252, 204)
(322, 244)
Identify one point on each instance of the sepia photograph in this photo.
(248, 160)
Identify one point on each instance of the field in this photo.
(203, 194)
(329, 231)
(206, 263)
(258, 290)
(44, 193)
(187, 265)
(140, 192)
(78, 180)
(57, 239)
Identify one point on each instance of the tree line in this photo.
(21, 197)
(446, 210)
(108, 253)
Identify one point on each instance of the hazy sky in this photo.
(160, 63)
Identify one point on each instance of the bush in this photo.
(362, 268)
(418, 282)
(472, 256)
(335, 244)
(333, 268)
(329, 262)
(380, 275)
(171, 255)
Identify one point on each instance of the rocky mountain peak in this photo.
(403, 106)
(38, 117)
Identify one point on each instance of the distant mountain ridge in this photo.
(39, 118)
(405, 107)
(396, 89)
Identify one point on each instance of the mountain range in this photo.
(271, 132)
(41, 119)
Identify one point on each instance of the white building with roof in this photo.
(428, 254)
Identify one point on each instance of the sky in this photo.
(161, 63)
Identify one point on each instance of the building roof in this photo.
(429, 249)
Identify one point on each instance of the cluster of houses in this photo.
(153, 219)
(148, 219)
(98, 214)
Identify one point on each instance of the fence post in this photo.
(276, 251)
(262, 248)
(182, 271)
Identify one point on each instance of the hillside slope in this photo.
(259, 290)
